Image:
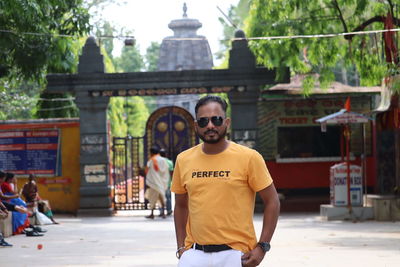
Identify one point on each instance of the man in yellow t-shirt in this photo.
(215, 185)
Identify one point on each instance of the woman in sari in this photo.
(20, 220)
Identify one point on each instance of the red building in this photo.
(298, 154)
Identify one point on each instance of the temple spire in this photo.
(185, 50)
(184, 10)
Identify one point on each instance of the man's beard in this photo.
(213, 141)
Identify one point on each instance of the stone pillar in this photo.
(95, 190)
(244, 107)
(244, 100)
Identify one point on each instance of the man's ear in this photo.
(228, 122)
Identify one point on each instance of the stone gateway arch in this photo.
(93, 88)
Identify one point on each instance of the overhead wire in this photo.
(329, 35)
(63, 35)
(57, 108)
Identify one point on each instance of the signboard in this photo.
(338, 188)
(95, 173)
(167, 91)
(344, 117)
(24, 152)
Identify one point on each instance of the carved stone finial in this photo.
(91, 59)
(184, 10)
(240, 34)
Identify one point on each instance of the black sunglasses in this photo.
(216, 120)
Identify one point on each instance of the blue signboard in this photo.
(24, 152)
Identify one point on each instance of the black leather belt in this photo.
(211, 248)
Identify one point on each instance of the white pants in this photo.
(198, 258)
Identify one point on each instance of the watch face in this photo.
(265, 246)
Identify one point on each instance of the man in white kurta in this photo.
(156, 181)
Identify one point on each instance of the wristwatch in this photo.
(265, 246)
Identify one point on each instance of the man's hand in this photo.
(3, 214)
(180, 252)
(253, 257)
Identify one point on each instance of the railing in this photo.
(128, 181)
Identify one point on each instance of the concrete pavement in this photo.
(300, 240)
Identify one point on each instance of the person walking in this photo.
(170, 163)
(156, 181)
(215, 184)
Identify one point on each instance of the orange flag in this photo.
(347, 104)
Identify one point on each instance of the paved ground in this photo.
(300, 240)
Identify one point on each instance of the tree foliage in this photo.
(321, 55)
(30, 41)
(130, 60)
(235, 21)
(152, 56)
(128, 116)
(107, 30)
(17, 100)
(36, 37)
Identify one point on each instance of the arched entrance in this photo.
(171, 128)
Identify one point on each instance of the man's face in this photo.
(211, 124)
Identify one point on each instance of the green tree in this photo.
(152, 56)
(52, 105)
(151, 60)
(130, 60)
(322, 55)
(105, 31)
(36, 37)
(62, 105)
(17, 100)
(30, 40)
(116, 115)
(236, 18)
(128, 115)
(137, 115)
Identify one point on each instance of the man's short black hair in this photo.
(9, 176)
(2, 175)
(154, 150)
(163, 153)
(211, 98)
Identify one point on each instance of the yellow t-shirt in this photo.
(221, 191)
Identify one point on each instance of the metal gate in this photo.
(128, 179)
(171, 128)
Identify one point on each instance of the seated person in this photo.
(32, 198)
(3, 243)
(20, 219)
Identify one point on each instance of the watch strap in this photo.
(265, 246)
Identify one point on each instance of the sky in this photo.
(149, 19)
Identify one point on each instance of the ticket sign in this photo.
(24, 152)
